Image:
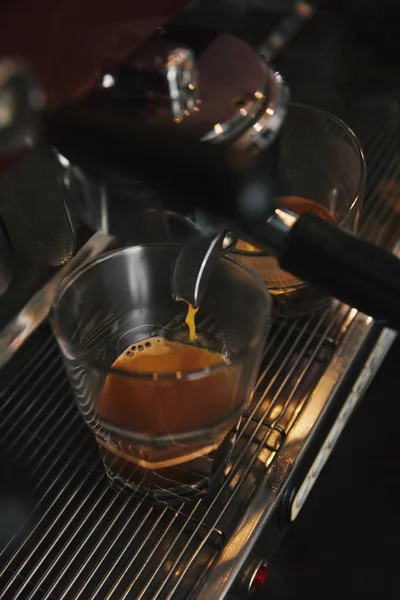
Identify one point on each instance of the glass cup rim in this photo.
(363, 174)
(71, 348)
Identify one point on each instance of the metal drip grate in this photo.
(85, 540)
(82, 539)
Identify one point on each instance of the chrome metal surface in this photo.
(258, 121)
(5, 275)
(227, 566)
(194, 264)
(274, 230)
(218, 87)
(268, 122)
(36, 310)
(369, 369)
(235, 87)
(182, 81)
(249, 572)
(20, 100)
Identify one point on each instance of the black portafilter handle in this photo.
(239, 189)
(345, 265)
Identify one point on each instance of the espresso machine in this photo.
(177, 139)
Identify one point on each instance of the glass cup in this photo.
(161, 433)
(319, 159)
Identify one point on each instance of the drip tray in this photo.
(83, 540)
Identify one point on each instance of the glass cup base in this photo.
(162, 485)
(173, 496)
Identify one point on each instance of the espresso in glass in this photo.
(160, 385)
(169, 408)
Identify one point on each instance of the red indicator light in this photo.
(260, 578)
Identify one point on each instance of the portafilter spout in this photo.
(195, 263)
(199, 255)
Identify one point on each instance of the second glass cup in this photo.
(162, 407)
(319, 159)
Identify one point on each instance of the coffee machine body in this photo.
(212, 85)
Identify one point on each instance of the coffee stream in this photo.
(190, 321)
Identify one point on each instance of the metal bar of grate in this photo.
(20, 379)
(81, 571)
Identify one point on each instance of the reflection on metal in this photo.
(286, 29)
(36, 310)
(261, 117)
(237, 550)
(286, 217)
(182, 81)
(5, 274)
(273, 230)
(246, 579)
(269, 122)
(374, 360)
(21, 99)
(108, 81)
(63, 160)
